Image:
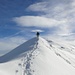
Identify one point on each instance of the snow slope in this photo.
(37, 57)
(66, 50)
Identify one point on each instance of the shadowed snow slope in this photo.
(34, 57)
(15, 53)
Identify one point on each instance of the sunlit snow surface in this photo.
(39, 57)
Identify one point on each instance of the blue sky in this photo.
(18, 18)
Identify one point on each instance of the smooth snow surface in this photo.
(38, 57)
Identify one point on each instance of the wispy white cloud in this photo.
(60, 9)
(41, 6)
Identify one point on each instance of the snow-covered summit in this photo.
(22, 49)
(36, 57)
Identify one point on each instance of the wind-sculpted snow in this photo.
(66, 52)
(38, 57)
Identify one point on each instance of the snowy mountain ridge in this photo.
(38, 57)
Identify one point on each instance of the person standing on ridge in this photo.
(37, 34)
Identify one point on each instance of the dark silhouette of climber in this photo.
(37, 34)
